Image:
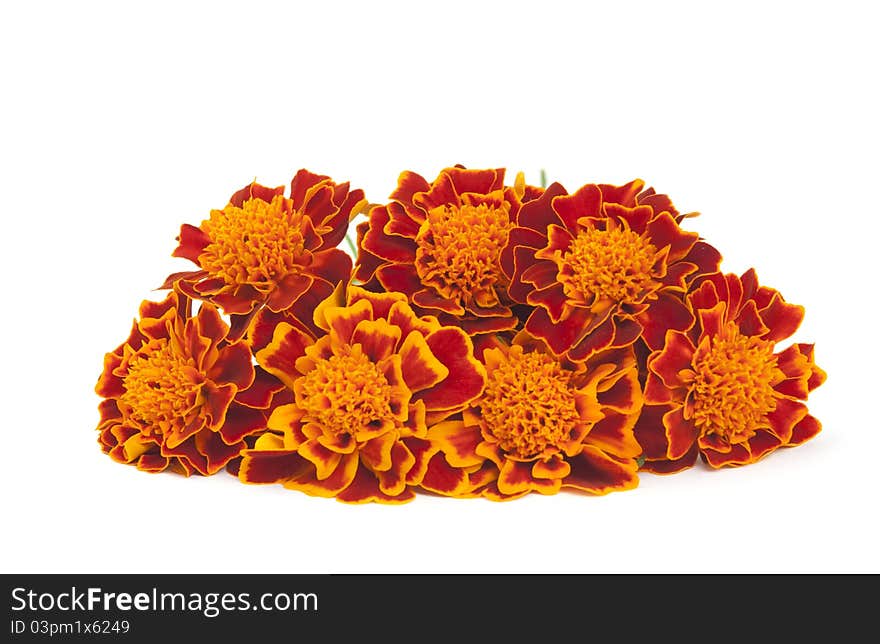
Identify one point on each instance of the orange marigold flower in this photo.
(439, 243)
(720, 389)
(603, 267)
(267, 250)
(542, 424)
(365, 394)
(177, 394)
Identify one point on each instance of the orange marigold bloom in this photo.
(603, 267)
(365, 394)
(177, 394)
(542, 424)
(267, 250)
(720, 389)
(439, 243)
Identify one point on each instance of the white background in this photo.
(120, 121)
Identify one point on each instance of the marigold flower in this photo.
(603, 267)
(267, 251)
(719, 389)
(439, 243)
(365, 393)
(177, 394)
(543, 424)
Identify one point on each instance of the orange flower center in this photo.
(345, 393)
(733, 385)
(458, 249)
(161, 386)
(528, 405)
(614, 264)
(258, 243)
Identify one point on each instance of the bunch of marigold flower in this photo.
(488, 340)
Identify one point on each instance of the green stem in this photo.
(543, 178)
(352, 246)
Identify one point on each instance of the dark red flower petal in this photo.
(241, 421)
(781, 318)
(272, 466)
(680, 433)
(806, 429)
(585, 202)
(667, 312)
(453, 348)
(594, 471)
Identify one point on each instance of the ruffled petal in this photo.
(454, 349)
(672, 359)
(458, 442)
(680, 433)
(280, 356)
(442, 478)
(364, 488)
(783, 419)
(595, 472)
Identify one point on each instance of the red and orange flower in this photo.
(178, 395)
(603, 267)
(719, 390)
(439, 243)
(366, 393)
(267, 251)
(543, 424)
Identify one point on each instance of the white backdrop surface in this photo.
(121, 121)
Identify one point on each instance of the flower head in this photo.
(178, 394)
(603, 267)
(439, 243)
(542, 424)
(267, 251)
(366, 392)
(721, 389)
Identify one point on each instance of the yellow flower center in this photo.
(161, 386)
(528, 405)
(458, 249)
(615, 264)
(733, 385)
(258, 243)
(345, 393)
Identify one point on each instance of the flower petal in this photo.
(441, 478)
(562, 335)
(738, 455)
(280, 356)
(233, 365)
(458, 442)
(675, 356)
(421, 369)
(594, 471)
(665, 313)
(553, 468)
(806, 429)
(680, 433)
(377, 338)
(364, 488)
(261, 392)
(516, 478)
(452, 347)
(399, 278)
(781, 318)
(585, 202)
(241, 421)
(665, 466)
(376, 452)
(192, 243)
(614, 435)
(333, 485)
(783, 419)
